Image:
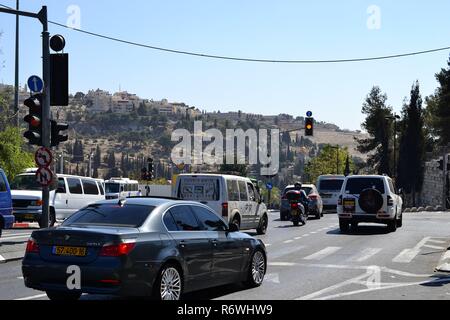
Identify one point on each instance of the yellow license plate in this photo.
(349, 203)
(70, 251)
(29, 216)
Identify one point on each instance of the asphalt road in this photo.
(316, 261)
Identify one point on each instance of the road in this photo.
(316, 261)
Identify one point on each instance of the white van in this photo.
(235, 198)
(329, 188)
(68, 194)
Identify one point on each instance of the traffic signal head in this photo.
(56, 138)
(309, 127)
(34, 119)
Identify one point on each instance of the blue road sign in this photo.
(269, 186)
(309, 114)
(35, 84)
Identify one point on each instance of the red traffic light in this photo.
(34, 121)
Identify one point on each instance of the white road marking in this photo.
(434, 247)
(298, 238)
(272, 277)
(20, 278)
(365, 254)
(1, 258)
(407, 255)
(437, 241)
(3, 239)
(314, 232)
(306, 235)
(267, 244)
(288, 241)
(323, 253)
(281, 264)
(32, 297)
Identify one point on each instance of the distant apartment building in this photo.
(99, 100)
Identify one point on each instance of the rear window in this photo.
(203, 189)
(331, 185)
(2, 183)
(132, 216)
(358, 185)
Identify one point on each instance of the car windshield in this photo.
(331, 185)
(358, 185)
(112, 187)
(28, 183)
(114, 215)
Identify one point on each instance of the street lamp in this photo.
(394, 118)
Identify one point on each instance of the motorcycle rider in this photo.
(303, 196)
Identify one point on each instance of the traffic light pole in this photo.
(42, 16)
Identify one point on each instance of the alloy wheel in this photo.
(258, 267)
(170, 288)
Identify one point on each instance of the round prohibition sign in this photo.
(44, 176)
(43, 157)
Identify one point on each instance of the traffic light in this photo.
(34, 119)
(309, 127)
(56, 138)
(150, 169)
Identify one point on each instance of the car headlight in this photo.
(36, 203)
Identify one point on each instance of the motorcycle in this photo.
(298, 210)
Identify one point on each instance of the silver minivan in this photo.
(234, 198)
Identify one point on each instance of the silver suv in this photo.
(369, 199)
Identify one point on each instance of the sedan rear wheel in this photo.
(257, 270)
(169, 283)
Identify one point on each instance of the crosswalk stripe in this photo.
(406, 256)
(1, 258)
(323, 253)
(429, 246)
(365, 254)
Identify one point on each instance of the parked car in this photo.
(142, 247)
(6, 215)
(329, 188)
(235, 198)
(315, 206)
(369, 199)
(68, 194)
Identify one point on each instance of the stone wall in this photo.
(432, 193)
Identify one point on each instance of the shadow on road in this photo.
(437, 280)
(361, 231)
(215, 292)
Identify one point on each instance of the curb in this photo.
(444, 263)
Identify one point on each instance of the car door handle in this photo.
(182, 244)
(214, 242)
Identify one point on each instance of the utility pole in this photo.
(42, 16)
(16, 83)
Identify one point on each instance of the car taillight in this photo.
(390, 201)
(117, 250)
(225, 209)
(340, 201)
(294, 206)
(32, 246)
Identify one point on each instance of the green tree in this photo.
(326, 162)
(380, 131)
(13, 158)
(412, 144)
(438, 108)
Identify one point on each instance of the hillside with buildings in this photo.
(113, 134)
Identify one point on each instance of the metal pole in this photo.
(16, 84)
(337, 160)
(46, 107)
(395, 148)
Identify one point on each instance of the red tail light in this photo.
(340, 201)
(32, 246)
(390, 201)
(117, 250)
(294, 206)
(225, 209)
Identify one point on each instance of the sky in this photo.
(285, 30)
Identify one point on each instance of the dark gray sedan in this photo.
(141, 247)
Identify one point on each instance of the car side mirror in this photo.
(233, 228)
(400, 191)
